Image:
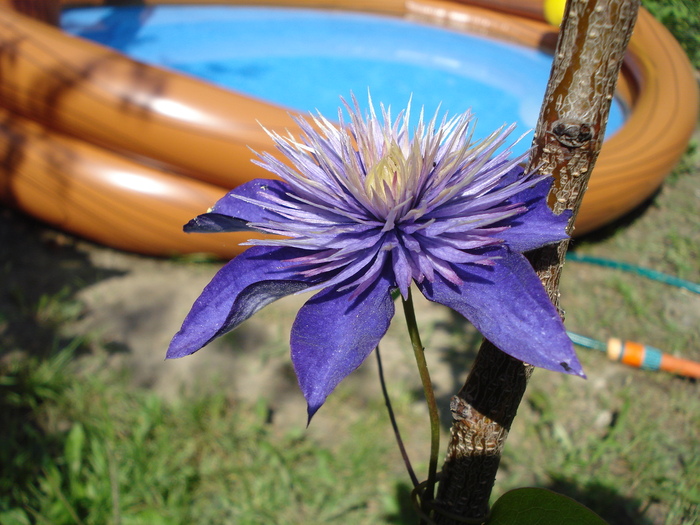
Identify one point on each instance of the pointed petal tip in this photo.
(216, 223)
(175, 353)
(187, 228)
(311, 411)
(573, 368)
(177, 349)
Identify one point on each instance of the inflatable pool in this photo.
(124, 153)
(305, 59)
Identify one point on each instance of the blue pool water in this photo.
(307, 59)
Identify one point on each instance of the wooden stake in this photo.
(591, 46)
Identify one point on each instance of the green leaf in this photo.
(533, 506)
(147, 517)
(14, 517)
(73, 449)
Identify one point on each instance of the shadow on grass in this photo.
(40, 274)
(39, 277)
(605, 501)
(406, 512)
(28, 449)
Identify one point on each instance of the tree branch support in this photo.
(569, 133)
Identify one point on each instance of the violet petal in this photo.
(249, 282)
(216, 223)
(507, 303)
(333, 334)
(538, 226)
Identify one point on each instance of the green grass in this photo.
(682, 18)
(88, 448)
(619, 451)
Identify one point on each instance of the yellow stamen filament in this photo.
(385, 181)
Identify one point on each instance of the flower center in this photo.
(385, 182)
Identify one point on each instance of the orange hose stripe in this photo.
(682, 367)
(632, 354)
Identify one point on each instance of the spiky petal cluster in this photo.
(369, 206)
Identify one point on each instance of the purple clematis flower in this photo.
(367, 208)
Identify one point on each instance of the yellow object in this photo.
(554, 11)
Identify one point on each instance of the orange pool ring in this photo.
(123, 153)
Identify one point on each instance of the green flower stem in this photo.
(418, 351)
